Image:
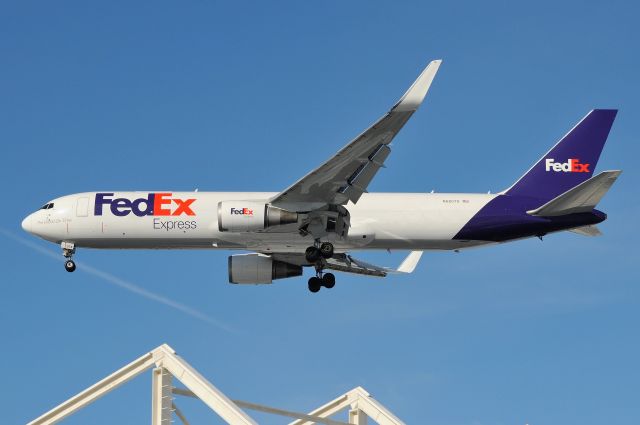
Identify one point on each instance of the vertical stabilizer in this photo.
(570, 162)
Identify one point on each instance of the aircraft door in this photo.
(82, 207)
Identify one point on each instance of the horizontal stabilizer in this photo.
(582, 198)
(591, 230)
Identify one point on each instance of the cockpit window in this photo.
(47, 206)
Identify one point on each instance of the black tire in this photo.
(314, 284)
(326, 250)
(69, 266)
(312, 254)
(328, 280)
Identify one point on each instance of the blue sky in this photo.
(251, 96)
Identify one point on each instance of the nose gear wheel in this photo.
(69, 265)
(68, 249)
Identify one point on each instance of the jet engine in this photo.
(251, 216)
(258, 268)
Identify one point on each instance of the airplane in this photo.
(327, 214)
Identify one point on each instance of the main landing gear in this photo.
(320, 250)
(328, 280)
(68, 249)
(316, 255)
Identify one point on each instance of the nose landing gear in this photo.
(68, 249)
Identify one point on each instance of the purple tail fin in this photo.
(570, 162)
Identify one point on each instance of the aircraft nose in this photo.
(26, 223)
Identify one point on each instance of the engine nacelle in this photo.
(258, 268)
(251, 216)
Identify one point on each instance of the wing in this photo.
(347, 174)
(346, 263)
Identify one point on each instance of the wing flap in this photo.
(348, 264)
(358, 181)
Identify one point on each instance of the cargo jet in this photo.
(327, 214)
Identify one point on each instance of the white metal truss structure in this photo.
(167, 365)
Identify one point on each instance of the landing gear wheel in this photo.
(326, 250)
(312, 254)
(69, 265)
(328, 280)
(314, 284)
(68, 249)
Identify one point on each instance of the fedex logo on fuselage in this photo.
(156, 204)
(241, 211)
(571, 166)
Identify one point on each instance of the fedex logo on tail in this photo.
(156, 204)
(571, 166)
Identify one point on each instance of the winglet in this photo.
(409, 264)
(412, 99)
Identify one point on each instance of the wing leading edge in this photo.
(346, 176)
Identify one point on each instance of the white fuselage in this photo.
(412, 221)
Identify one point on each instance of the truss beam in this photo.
(167, 366)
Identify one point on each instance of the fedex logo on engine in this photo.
(156, 204)
(241, 211)
(571, 166)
